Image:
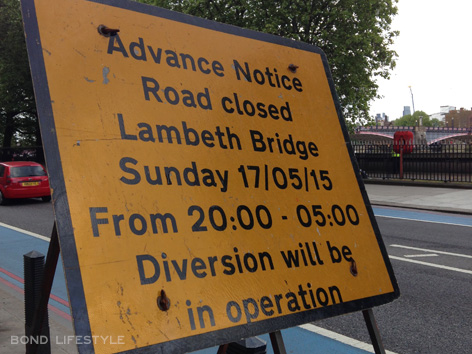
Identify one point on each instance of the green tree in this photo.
(412, 120)
(17, 106)
(355, 35)
(436, 123)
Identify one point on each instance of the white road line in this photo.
(420, 255)
(433, 251)
(432, 265)
(340, 338)
(44, 238)
(430, 221)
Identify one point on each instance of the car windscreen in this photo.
(27, 171)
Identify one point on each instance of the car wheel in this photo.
(3, 200)
(46, 199)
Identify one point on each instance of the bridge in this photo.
(429, 134)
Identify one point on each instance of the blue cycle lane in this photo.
(433, 217)
(14, 243)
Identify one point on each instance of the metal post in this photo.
(401, 161)
(33, 266)
(222, 349)
(41, 309)
(277, 342)
(373, 331)
(252, 345)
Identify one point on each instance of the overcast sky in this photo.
(434, 57)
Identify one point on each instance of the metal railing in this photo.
(447, 162)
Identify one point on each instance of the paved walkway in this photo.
(458, 200)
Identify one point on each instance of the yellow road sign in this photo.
(203, 184)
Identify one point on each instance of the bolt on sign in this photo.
(204, 186)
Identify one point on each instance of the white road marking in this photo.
(420, 255)
(44, 238)
(433, 251)
(432, 265)
(419, 220)
(340, 338)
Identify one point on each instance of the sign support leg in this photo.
(275, 338)
(49, 271)
(222, 349)
(277, 342)
(373, 331)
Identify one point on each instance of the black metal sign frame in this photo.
(61, 206)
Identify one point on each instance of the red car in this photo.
(23, 179)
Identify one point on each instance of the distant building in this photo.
(446, 109)
(406, 110)
(441, 115)
(381, 119)
(458, 118)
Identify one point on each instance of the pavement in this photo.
(432, 198)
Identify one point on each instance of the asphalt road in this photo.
(32, 215)
(434, 310)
